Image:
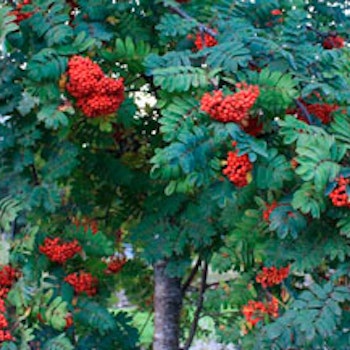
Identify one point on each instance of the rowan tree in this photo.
(241, 165)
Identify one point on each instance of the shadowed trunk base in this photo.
(167, 308)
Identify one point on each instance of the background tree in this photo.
(242, 164)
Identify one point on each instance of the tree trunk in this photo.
(167, 308)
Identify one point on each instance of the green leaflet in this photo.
(228, 56)
(273, 171)
(7, 25)
(9, 210)
(308, 200)
(51, 25)
(277, 89)
(62, 161)
(60, 342)
(181, 78)
(341, 128)
(287, 221)
(313, 317)
(96, 316)
(172, 25)
(178, 117)
(47, 64)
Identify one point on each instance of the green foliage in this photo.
(286, 221)
(273, 171)
(9, 210)
(181, 78)
(93, 315)
(173, 25)
(147, 181)
(308, 200)
(61, 342)
(228, 56)
(6, 22)
(179, 116)
(311, 319)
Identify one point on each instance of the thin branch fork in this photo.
(304, 111)
(202, 27)
(191, 276)
(199, 308)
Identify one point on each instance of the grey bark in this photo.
(167, 308)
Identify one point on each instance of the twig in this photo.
(35, 175)
(304, 111)
(191, 276)
(13, 228)
(199, 307)
(311, 28)
(146, 322)
(202, 27)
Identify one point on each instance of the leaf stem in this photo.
(202, 27)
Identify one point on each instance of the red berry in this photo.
(83, 282)
(231, 108)
(339, 196)
(59, 252)
(255, 311)
(238, 168)
(204, 40)
(96, 94)
(333, 42)
(271, 276)
(115, 265)
(276, 12)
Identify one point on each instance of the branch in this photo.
(35, 175)
(304, 111)
(202, 27)
(312, 29)
(191, 276)
(199, 307)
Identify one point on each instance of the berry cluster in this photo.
(238, 168)
(5, 334)
(333, 42)
(88, 224)
(115, 264)
(96, 94)
(339, 196)
(232, 108)
(204, 40)
(58, 251)
(269, 209)
(3, 321)
(83, 282)
(271, 276)
(18, 12)
(321, 111)
(8, 276)
(255, 311)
